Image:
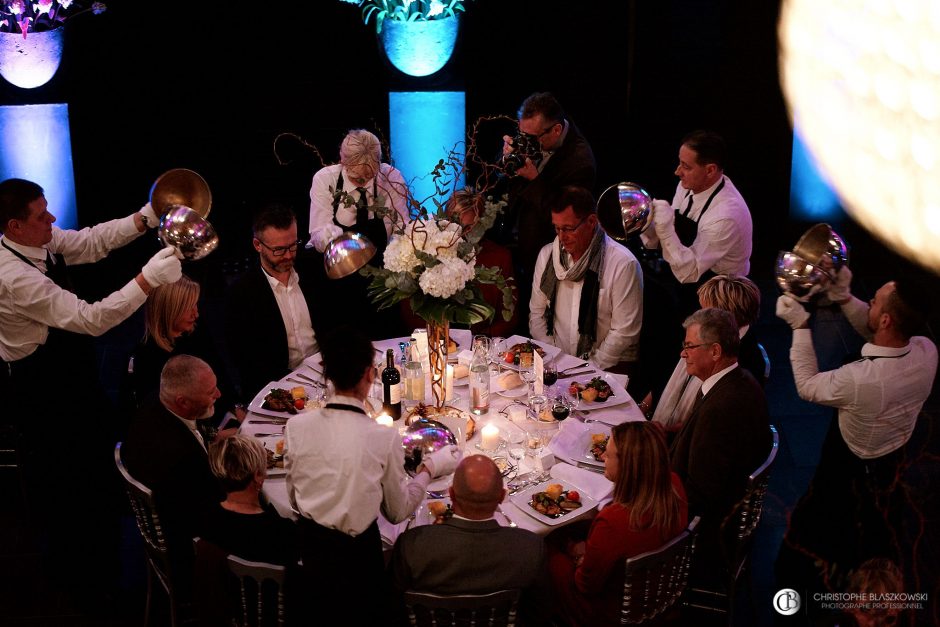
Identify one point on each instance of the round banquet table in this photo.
(566, 445)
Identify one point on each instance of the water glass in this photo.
(537, 404)
(482, 342)
(414, 381)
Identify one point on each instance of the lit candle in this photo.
(384, 419)
(490, 435)
(449, 384)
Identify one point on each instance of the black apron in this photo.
(373, 228)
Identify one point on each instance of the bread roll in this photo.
(461, 371)
(509, 380)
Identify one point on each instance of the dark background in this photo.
(151, 88)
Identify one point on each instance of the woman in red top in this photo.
(649, 508)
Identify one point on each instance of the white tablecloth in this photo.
(275, 488)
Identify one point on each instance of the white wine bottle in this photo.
(480, 382)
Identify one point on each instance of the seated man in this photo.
(271, 322)
(470, 553)
(851, 511)
(343, 469)
(726, 435)
(165, 451)
(587, 290)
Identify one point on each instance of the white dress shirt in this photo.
(391, 189)
(679, 394)
(342, 467)
(878, 397)
(30, 302)
(301, 341)
(191, 425)
(723, 243)
(710, 382)
(619, 307)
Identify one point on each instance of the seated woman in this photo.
(466, 207)
(741, 297)
(170, 329)
(649, 508)
(240, 525)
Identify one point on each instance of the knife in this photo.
(273, 421)
(592, 468)
(575, 374)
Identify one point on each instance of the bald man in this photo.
(470, 553)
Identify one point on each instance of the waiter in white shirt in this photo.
(49, 374)
(707, 229)
(851, 511)
(343, 468)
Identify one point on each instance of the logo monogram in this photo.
(787, 602)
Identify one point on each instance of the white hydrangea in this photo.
(447, 278)
(437, 239)
(400, 255)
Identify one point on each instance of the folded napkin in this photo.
(595, 485)
(570, 443)
(465, 357)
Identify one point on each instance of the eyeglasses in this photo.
(548, 129)
(280, 251)
(687, 347)
(571, 229)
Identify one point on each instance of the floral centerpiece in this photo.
(432, 262)
(407, 10)
(25, 16)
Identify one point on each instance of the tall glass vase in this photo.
(438, 340)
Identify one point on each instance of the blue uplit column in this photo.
(35, 144)
(811, 197)
(426, 126)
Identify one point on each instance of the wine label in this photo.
(394, 393)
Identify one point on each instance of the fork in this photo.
(499, 508)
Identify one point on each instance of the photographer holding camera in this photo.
(546, 154)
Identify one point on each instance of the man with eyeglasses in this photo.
(587, 292)
(271, 321)
(725, 437)
(567, 159)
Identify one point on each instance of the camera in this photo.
(524, 146)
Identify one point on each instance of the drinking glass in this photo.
(561, 406)
(517, 440)
(497, 348)
(537, 403)
(482, 342)
(549, 375)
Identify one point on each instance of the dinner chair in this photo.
(655, 581)
(737, 538)
(148, 522)
(496, 608)
(259, 582)
(763, 353)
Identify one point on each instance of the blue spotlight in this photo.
(425, 127)
(35, 145)
(811, 196)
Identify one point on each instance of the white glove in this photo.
(663, 217)
(838, 290)
(324, 235)
(151, 219)
(443, 462)
(791, 311)
(163, 268)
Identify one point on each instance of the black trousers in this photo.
(345, 574)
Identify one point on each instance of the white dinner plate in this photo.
(587, 443)
(551, 352)
(522, 499)
(270, 443)
(619, 398)
(255, 405)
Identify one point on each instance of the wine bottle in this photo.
(480, 382)
(391, 387)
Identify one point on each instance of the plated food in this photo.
(555, 501)
(276, 457)
(439, 511)
(290, 401)
(521, 354)
(597, 390)
(599, 445)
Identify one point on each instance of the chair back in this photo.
(738, 528)
(261, 587)
(655, 581)
(495, 608)
(763, 353)
(148, 521)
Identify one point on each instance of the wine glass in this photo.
(482, 342)
(517, 440)
(497, 348)
(561, 406)
(549, 376)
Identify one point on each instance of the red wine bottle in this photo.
(391, 387)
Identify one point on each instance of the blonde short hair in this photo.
(736, 294)
(236, 460)
(360, 147)
(165, 305)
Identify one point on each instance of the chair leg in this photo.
(149, 594)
